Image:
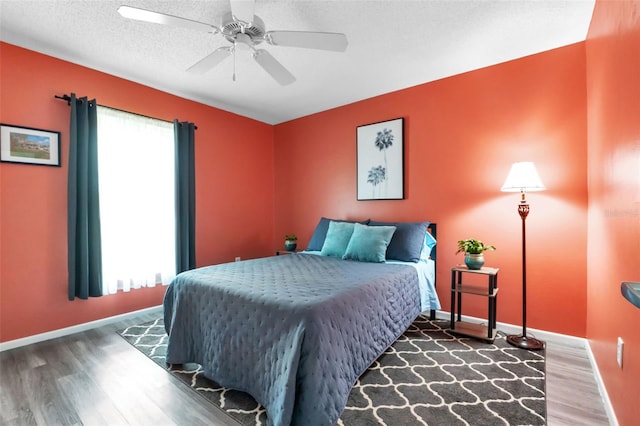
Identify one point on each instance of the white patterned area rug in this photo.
(427, 377)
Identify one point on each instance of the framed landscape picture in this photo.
(29, 146)
(380, 160)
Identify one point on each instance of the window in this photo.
(137, 198)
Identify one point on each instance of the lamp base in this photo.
(525, 342)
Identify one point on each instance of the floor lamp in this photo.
(523, 177)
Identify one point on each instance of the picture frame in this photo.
(27, 145)
(380, 160)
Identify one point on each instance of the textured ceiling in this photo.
(393, 44)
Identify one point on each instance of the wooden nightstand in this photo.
(279, 252)
(458, 288)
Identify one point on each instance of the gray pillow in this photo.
(406, 243)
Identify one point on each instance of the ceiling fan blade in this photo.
(336, 42)
(273, 67)
(242, 10)
(162, 18)
(210, 61)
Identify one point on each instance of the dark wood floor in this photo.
(97, 378)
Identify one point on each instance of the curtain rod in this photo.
(67, 98)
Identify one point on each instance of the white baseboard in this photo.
(613, 420)
(549, 336)
(11, 344)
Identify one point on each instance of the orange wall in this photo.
(613, 99)
(461, 135)
(234, 201)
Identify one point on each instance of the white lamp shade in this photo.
(523, 177)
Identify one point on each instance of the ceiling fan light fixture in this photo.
(231, 28)
(244, 31)
(243, 42)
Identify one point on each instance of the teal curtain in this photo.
(83, 234)
(185, 196)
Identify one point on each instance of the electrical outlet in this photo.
(238, 259)
(619, 351)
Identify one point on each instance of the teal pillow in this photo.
(427, 248)
(338, 236)
(369, 243)
(320, 233)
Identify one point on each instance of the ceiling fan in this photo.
(244, 29)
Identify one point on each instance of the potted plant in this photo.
(290, 242)
(474, 252)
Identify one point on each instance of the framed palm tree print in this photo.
(380, 160)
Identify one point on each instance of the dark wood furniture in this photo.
(490, 291)
(279, 252)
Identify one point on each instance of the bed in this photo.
(295, 331)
